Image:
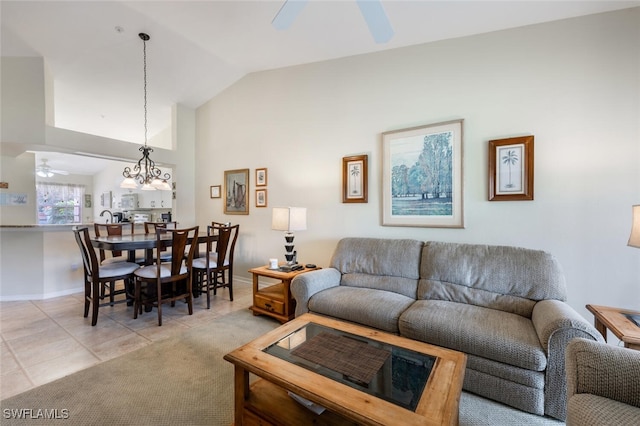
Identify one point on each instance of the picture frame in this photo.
(511, 169)
(261, 198)
(355, 177)
(236, 187)
(261, 177)
(215, 191)
(422, 174)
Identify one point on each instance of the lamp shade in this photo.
(289, 219)
(634, 238)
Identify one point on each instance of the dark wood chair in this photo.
(214, 270)
(97, 275)
(112, 229)
(150, 228)
(115, 255)
(166, 282)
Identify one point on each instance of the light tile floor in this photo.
(43, 340)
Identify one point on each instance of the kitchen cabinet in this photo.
(154, 199)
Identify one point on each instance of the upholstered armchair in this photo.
(603, 384)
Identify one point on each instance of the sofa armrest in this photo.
(556, 324)
(611, 372)
(306, 285)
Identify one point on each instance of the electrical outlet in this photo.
(75, 266)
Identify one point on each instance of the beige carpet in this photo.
(182, 380)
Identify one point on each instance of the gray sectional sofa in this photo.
(502, 306)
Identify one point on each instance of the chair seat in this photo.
(117, 269)
(151, 271)
(201, 262)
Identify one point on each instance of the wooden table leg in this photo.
(600, 327)
(241, 393)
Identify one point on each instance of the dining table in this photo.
(147, 242)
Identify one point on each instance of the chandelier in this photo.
(145, 171)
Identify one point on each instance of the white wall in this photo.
(573, 84)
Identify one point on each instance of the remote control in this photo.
(310, 265)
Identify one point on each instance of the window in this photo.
(59, 203)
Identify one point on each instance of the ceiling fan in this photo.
(45, 170)
(372, 11)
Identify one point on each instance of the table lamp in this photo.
(634, 241)
(289, 219)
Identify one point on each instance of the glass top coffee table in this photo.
(322, 370)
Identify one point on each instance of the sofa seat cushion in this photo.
(487, 333)
(373, 308)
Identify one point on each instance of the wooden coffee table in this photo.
(267, 402)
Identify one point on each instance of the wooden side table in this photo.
(274, 300)
(613, 319)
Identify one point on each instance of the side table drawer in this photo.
(268, 304)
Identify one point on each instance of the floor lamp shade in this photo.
(289, 219)
(634, 238)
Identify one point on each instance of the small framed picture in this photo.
(354, 179)
(261, 177)
(511, 169)
(261, 198)
(215, 191)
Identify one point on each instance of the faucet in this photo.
(110, 214)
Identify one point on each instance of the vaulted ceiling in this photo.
(199, 48)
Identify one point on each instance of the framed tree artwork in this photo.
(355, 179)
(236, 187)
(422, 176)
(511, 169)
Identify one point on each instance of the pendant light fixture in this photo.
(145, 171)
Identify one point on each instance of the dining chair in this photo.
(166, 282)
(150, 228)
(101, 229)
(97, 275)
(116, 255)
(215, 269)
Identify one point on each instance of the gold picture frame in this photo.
(236, 188)
(355, 177)
(261, 177)
(261, 198)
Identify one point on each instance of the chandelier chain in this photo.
(144, 64)
(145, 171)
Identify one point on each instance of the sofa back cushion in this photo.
(384, 264)
(510, 279)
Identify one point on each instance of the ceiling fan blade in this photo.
(376, 19)
(60, 172)
(288, 13)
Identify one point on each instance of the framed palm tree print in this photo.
(355, 179)
(511, 169)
